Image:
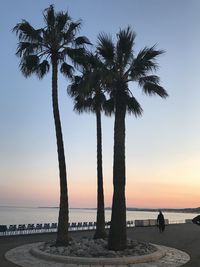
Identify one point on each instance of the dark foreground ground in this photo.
(185, 237)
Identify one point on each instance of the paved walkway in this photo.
(185, 237)
(22, 256)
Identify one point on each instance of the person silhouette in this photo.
(161, 222)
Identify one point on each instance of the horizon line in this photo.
(93, 208)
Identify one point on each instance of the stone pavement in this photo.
(22, 256)
(185, 237)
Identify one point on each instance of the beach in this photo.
(185, 237)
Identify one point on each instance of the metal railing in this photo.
(23, 229)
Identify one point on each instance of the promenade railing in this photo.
(24, 229)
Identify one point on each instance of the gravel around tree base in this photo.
(98, 248)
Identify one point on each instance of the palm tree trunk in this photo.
(117, 233)
(62, 234)
(100, 226)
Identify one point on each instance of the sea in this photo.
(25, 215)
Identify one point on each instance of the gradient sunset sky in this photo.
(162, 147)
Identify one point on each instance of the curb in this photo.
(35, 251)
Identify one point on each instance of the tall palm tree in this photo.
(88, 95)
(39, 49)
(124, 67)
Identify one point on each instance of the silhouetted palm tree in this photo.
(87, 91)
(39, 49)
(124, 67)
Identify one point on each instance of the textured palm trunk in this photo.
(62, 234)
(100, 226)
(117, 233)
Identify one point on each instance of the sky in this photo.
(162, 147)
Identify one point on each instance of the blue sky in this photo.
(162, 147)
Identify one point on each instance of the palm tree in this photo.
(39, 49)
(88, 95)
(124, 67)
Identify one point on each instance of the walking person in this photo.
(161, 222)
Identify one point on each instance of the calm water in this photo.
(12, 215)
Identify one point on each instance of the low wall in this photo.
(149, 222)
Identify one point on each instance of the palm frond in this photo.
(80, 86)
(29, 65)
(62, 21)
(67, 70)
(26, 32)
(71, 31)
(87, 87)
(120, 67)
(83, 105)
(150, 88)
(42, 69)
(98, 99)
(74, 87)
(109, 107)
(58, 36)
(105, 47)
(26, 48)
(74, 26)
(145, 62)
(82, 40)
(124, 46)
(149, 78)
(150, 53)
(49, 16)
(133, 107)
(76, 55)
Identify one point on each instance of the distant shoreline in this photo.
(183, 210)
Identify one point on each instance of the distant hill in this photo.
(184, 210)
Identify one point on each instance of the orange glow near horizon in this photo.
(138, 195)
(152, 187)
(163, 196)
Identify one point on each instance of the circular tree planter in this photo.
(158, 254)
(29, 255)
